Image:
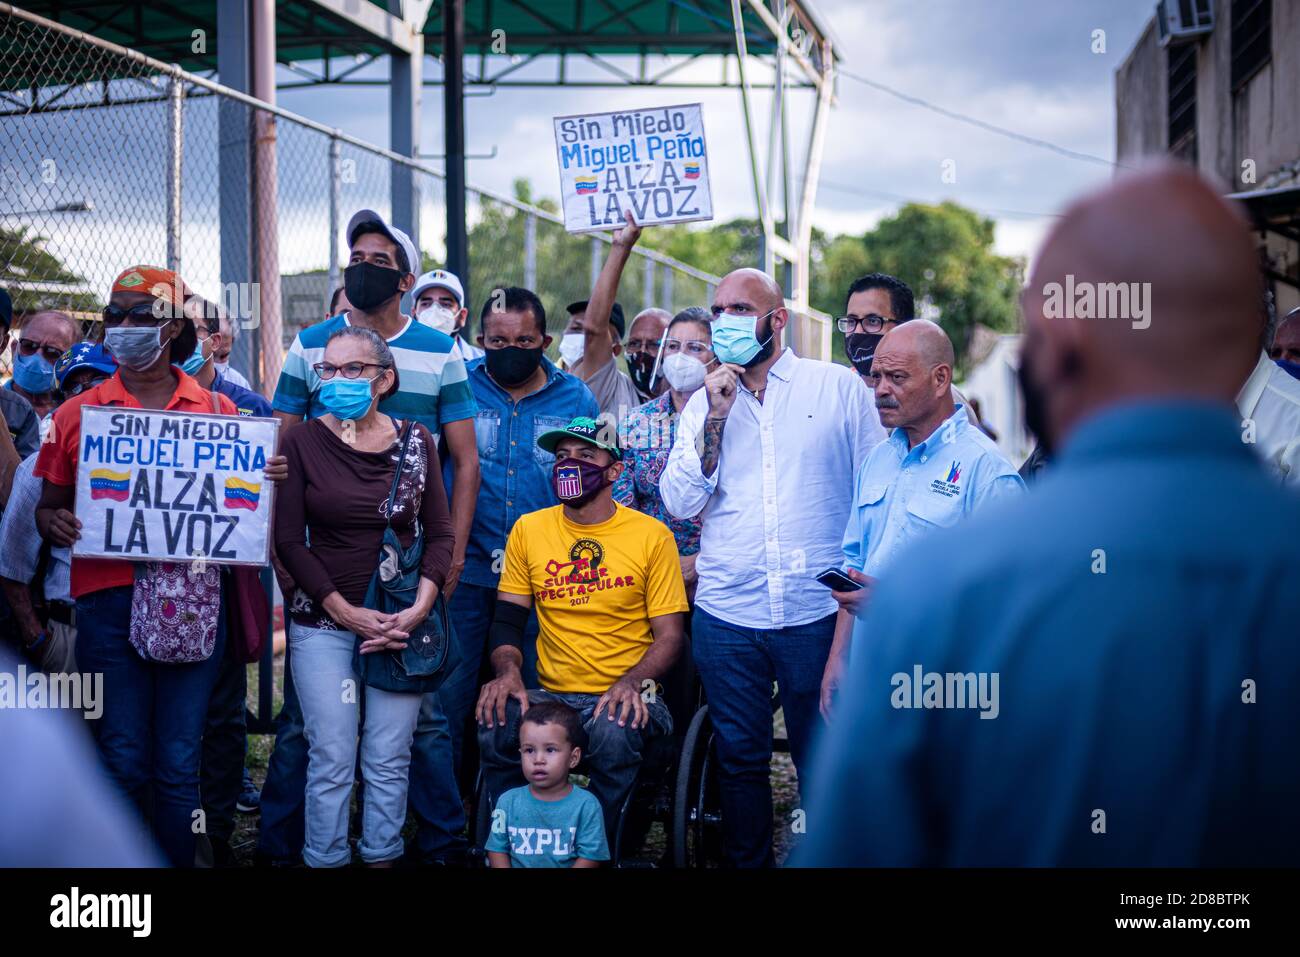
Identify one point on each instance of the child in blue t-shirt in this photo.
(549, 823)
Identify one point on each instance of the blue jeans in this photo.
(331, 720)
(150, 733)
(436, 797)
(737, 666)
(433, 794)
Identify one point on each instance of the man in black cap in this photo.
(592, 343)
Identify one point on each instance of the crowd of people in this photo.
(486, 556)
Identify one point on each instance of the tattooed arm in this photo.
(711, 444)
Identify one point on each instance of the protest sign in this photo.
(173, 486)
(652, 161)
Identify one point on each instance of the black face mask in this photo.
(369, 286)
(511, 365)
(1035, 407)
(639, 368)
(861, 348)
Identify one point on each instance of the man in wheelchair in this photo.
(610, 603)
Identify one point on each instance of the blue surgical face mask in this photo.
(33, 374)
(194, 363)
(346, 398)
(735, 339)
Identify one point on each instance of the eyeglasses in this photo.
(695, 347)
(29, 347)
(871, 323)
(83, 386)
(350, 370)
(141, 314)
(643, 345)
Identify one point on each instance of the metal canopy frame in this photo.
(786, 35)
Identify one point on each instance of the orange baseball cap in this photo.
(158, 282)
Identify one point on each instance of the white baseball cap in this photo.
(363, 216)
(439, 279)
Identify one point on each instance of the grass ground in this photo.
(785, 791)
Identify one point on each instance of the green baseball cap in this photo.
(580, 428)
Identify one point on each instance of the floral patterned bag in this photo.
(175, 607)
(174, 610)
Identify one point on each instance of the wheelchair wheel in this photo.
(482, 816)
(697, 815)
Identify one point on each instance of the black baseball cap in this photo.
(615, 315)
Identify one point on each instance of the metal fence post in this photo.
(595, 261)
(336, 197)
(648, 290)
(666, 293)
(530, 251)
(175, 103)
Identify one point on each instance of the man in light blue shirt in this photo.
(1128, 625)
(934, 469)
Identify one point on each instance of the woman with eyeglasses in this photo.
(154, 706)
(648, 431)
(331, 519)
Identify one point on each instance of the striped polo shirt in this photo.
(432, 386)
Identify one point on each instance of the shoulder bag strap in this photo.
(397, 473)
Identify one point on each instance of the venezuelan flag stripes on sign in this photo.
(105, 483)
(242, 494)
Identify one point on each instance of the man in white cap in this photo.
(432, 390)
(440, 304)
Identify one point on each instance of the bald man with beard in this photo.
(936, 469)
(765, 453)
(1071, 680)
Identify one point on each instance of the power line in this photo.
(895, 197)
(973, 121)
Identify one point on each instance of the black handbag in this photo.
(429, 655)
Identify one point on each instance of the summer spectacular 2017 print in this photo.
(580, 575)
(653, 162)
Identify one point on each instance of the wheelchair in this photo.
(677, 787)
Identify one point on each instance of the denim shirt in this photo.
(516, 474)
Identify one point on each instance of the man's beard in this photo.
(765, 351)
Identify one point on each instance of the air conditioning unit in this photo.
(1178, 21)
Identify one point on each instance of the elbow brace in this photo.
(508, 626)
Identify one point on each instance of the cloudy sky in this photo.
(1021, 64)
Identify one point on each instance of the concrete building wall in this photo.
(1141, 100)
(1262, 122)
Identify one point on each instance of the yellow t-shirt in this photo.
(595, 588)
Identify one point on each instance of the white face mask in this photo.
(438, 317)
(220, 366)
(684, 373)
(571, 347)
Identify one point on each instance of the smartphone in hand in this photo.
(836, 580)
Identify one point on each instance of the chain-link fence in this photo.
(111, 159)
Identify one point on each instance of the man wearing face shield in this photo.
(432, 390)
(765, 453)
(592, 343)
(440, 304)
(647, 432)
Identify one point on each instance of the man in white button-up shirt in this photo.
(767, 451)
(1269, 404)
